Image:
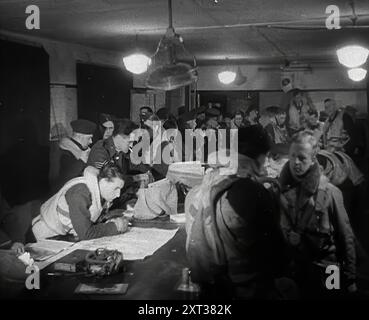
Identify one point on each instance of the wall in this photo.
(331, 77)
(24, 121)
(357, 99)
(63, 59)
(63, 78)
(268, 77)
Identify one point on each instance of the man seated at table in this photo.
(116, 150)
(234, 244)
(76, 208)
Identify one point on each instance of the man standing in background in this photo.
(339, 129)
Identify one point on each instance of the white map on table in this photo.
(136, 244)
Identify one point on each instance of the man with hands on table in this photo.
(76, 208)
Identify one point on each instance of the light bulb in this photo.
(352, 56)
(226, 77)
(137, 63)
(356, 74)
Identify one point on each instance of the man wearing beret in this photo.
(74, 151)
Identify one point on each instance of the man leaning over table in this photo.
(76, 208)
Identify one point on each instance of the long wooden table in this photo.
(154, 278)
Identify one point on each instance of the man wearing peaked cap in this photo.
(74, 151)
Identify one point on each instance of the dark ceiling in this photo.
(247, 30)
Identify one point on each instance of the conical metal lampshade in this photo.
(240, 78)
(169, 69)
(170, 77)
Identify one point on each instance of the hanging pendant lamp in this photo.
(169, 70)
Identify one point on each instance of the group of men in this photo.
(334, 128)
(242, 234)
(248, 241)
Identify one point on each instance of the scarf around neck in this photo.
(309, 182)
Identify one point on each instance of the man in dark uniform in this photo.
(74, 151)
(116, 150)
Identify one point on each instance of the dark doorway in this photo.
(24, 121)
(229, 101)
(103, 90)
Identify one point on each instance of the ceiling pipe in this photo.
(249, 25)
(311, 28)
(272, 43)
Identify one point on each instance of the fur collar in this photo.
(309, 182)
(69, 145)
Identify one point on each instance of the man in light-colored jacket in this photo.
(314, 221)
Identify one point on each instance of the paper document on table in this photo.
(45, 249)
(136, 244)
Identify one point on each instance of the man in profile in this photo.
(145, 113)
(116, 150)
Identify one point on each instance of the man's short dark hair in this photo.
(328, 100)
(239, 113)
(250, 109)
(109, 171)
(124, 127)
(295, 92)
(170, 124)
(313, 112)
(253, 141)
(146, 108)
